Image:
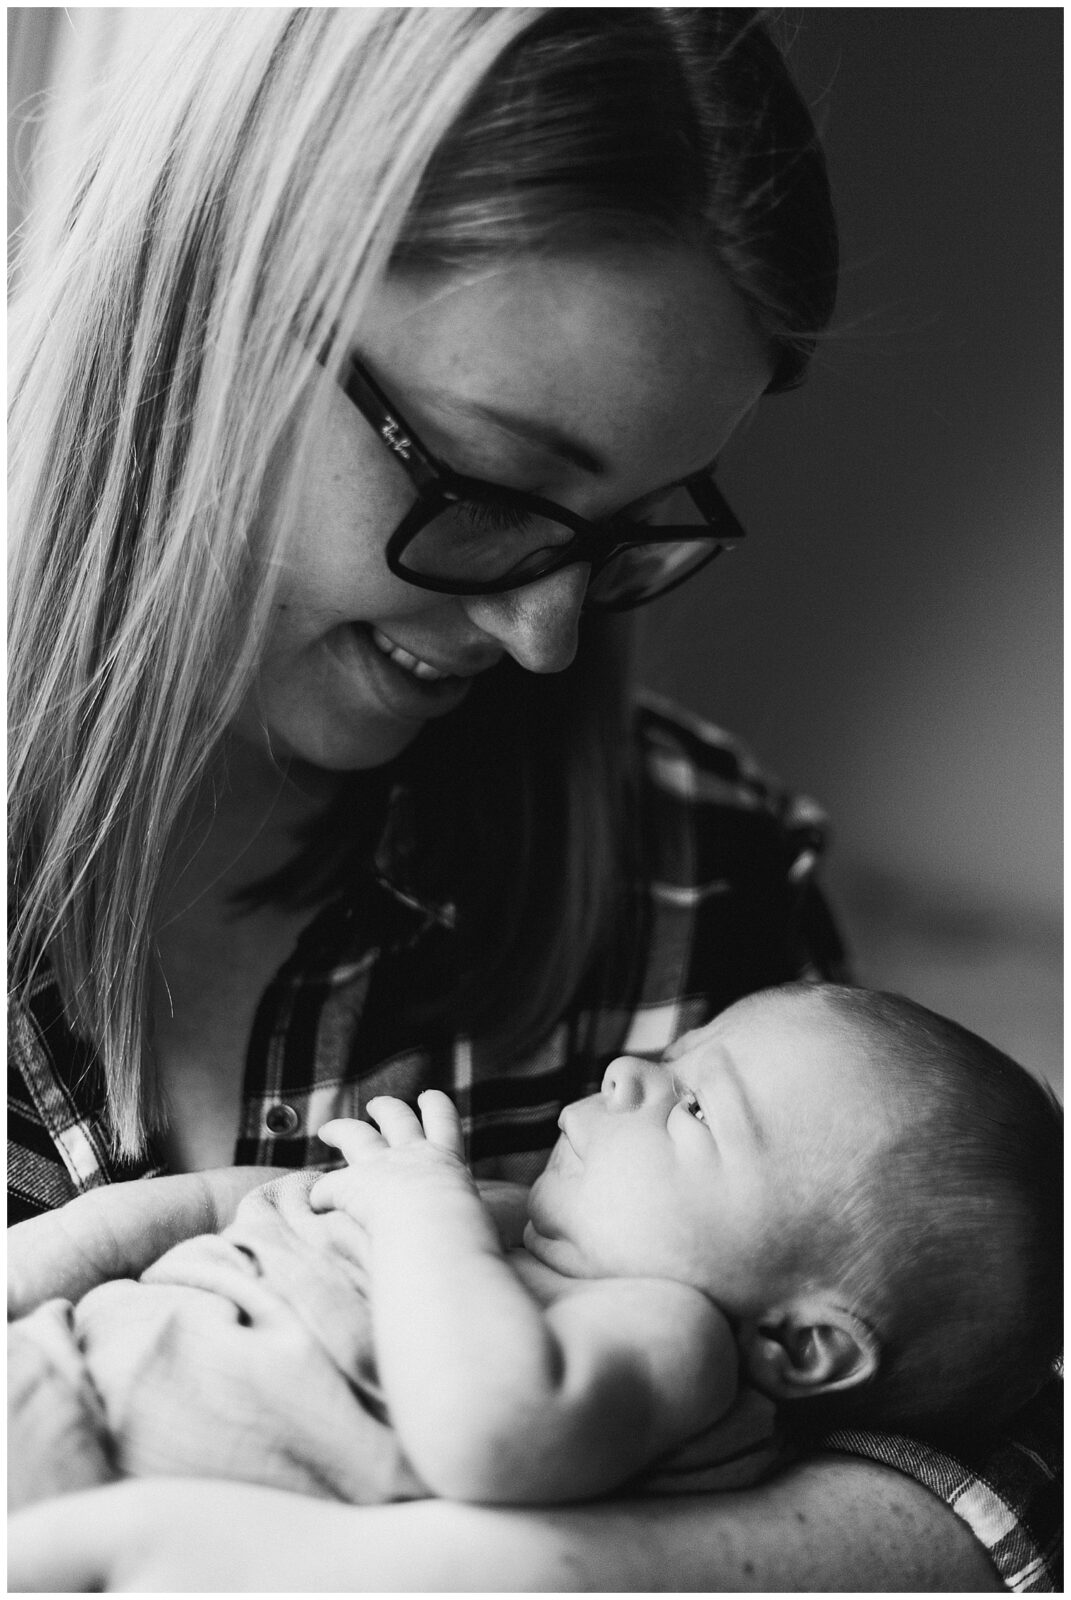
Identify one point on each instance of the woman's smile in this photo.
(404, 658)
(406, 686)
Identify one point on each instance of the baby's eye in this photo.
(692, 1106)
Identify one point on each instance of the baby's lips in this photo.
(567, 1118)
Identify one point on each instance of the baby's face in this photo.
(691, 1168)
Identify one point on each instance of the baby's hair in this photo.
(954, 1228)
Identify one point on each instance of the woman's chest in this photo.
(213, 972)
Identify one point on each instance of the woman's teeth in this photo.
(403, 658)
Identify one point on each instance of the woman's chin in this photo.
(346, 749)
(335, 744)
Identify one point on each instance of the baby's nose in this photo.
(628, 1082)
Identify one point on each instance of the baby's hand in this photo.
(403, 1147)
(399, 1125)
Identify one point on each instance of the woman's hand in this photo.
(117, 1231)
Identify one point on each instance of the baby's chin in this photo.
(533, 1240)
(555, 1253)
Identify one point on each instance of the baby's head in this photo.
(870, 1191)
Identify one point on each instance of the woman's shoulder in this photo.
(704, 793)
(684, 756)
(1008, 1489)
(57, 1141)
(37, 1177)
(727, 868)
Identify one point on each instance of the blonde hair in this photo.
(156, 368)
(237, 204)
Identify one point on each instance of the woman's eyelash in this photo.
(491, 516)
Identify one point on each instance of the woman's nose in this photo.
(538, 624)
(628, 1083)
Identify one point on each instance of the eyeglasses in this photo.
(468, 536)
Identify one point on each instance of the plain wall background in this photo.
(889, 637)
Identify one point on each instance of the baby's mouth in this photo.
(564, 1141)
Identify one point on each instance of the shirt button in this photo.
(281, 1119)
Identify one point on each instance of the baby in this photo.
(829, 1196)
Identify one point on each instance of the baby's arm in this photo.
(495, 1396)
(117, 1231)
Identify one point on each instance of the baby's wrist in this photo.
(432, 1174)
(424, 1196)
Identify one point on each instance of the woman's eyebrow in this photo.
(531, 429)
(561, 444)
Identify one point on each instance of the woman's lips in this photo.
(399, 690)
(477, 658)
(405, 658)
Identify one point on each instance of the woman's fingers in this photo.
(442, 1125)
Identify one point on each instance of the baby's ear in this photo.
(811, 1345)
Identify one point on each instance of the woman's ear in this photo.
(810, 1346)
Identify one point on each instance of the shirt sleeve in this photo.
(38, 1179)
(1008, 1491)
(58, 1143)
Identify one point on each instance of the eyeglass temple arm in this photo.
(398, 437)
(714, 506)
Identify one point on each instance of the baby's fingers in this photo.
(442, 1125)
(351, 1138)
(398, 1123)
(332, 1191)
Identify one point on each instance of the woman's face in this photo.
(592, 380)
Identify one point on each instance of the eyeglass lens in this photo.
(490, 542)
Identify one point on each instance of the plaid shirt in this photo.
(731, 907)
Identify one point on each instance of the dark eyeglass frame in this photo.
(439, 487)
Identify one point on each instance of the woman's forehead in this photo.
(639, 349)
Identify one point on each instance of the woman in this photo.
(374, 344)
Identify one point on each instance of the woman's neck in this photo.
(244, 823)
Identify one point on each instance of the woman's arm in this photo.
(828, 1525)
(117, 1231)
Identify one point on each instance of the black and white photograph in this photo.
(534, 663)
